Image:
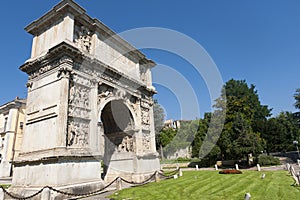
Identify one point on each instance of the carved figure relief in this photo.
(72, 95)
(145, 112)
(146, 142)
(121, 94)
(82, 38)
(104, 92)
(79, 96)
(145, 105)
(145, 116)
(79, 111)
(77, 134)
(143, 74)
(133, 102)
(127, 145)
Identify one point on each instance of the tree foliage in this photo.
(297, 98)
(280, 132)
(166, 136)
(183, 138)
(247, 128)
(159, 117)
(241, 135)
(200, 134)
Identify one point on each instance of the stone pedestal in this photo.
(5, 167)
(57, 172)
(132, 167)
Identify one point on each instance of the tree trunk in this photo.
(161, 152)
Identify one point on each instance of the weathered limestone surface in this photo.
(89, 101)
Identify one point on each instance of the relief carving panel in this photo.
(78, 111)
(77, 133)
(127, 145)
(146, 142)
(83, 38)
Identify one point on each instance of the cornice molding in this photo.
(15, 104)
(67, 52)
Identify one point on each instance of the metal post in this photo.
(119, 184)
(46, 194)
(1, 194)
(247, 196)
(258, 167)
(237, 167)
(288, 166)
(157, 177)
(180, 172)
(216, 167)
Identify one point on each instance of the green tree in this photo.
(166, 136)
(244, 117)
(183, 138)
(159, 118)
(297, 98)
(281, 131)
(200, 135)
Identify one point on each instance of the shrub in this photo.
(202, 163)
(264, 160)
(230, 171)
(180, 159)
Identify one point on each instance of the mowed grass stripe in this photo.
(206, 184)
(181, 188)
(197, 179)
(167, 189)
(213, 186)
(219, 182)
(225, 182)
(234, 183)
(249, 183)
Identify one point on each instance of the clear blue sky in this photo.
(255, 40)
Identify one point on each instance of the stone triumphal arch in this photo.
(89, 101)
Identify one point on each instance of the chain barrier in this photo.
(21, 198)
(14, 196)
(170, 174)
(55, 190)
(142, 183)
(83, 194)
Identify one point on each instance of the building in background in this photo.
(185, 152)
(12, 120)
(175, 124)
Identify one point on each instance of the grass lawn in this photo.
(5, 186)
(212, 186)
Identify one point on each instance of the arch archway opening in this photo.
(118, 126)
